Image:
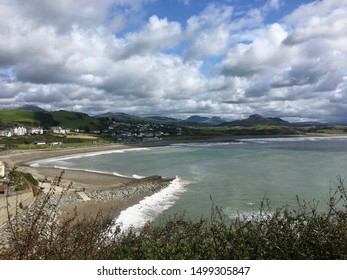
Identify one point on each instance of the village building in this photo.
(35, 130)
(20, 131)
(60, 130)
(2, 169)
(39, 143)
(6, 133)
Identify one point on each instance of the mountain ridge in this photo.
(29, 108)
(257, 119)
(194, 120)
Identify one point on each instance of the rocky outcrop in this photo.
(148, 186)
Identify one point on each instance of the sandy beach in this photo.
(86, 181)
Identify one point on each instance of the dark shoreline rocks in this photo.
(148, 185)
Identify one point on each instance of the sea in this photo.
(235, 176)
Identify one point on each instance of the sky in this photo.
(177, 58)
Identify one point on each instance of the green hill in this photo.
(17, 117)
(58, 118)
(75, 120)
(256, 119)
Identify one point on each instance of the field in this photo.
(75, 120)
(17, 116)
(58, 118)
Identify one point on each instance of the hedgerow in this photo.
(286, 234)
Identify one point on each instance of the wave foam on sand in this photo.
(150, 207)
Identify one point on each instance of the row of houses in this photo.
(21, 131)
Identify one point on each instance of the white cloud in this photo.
(159, 76)
(209, 32)
(185, 2)
(265, 52)
(320, 8)
(300, 63)
(272, 5)
(88, 55)
(157, 35)
(218, 27)
(318, 22)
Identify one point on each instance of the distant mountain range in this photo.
(30, 108)
(122, 117)
(193, 120)
(62, 117)
(197, 120)
(205, 120)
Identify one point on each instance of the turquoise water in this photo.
(236, 175)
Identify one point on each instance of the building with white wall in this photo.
(35, 130)
(2, 169)
(20, 131)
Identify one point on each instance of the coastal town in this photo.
(117, 131)
(130, 132)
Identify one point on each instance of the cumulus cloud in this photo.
(153, 77)
(209, 32)
(302, 58)
(323, 20)
(265, 52)
(114, 55)
(156, 35)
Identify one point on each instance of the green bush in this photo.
(29, 177)
(303, 233)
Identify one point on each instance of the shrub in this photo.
(302, 233)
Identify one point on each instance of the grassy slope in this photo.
(64, 118)
(17, 116)
(75, 120)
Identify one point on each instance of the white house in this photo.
(2, 170)
(6, 133)
(39, 143)
(35, 130)
(59, 130)
(20, 130)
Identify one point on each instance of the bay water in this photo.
(236, 175)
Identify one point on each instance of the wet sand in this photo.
(80, 180)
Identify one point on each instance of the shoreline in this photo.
(89, 182)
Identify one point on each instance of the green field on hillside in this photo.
(17, 116)
(59, 118)
(75, 120)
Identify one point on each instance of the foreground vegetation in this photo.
(303, 233)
